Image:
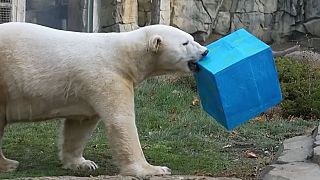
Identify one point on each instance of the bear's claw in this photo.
(144, 170)
(88, 165)
(85, 165)
(166, 170)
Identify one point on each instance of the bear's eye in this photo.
(186, 43)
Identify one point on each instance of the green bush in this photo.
(300, 85)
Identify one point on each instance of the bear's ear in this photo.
(155, 43)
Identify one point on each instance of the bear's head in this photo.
(174, 50)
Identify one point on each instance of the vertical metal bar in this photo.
(5, 11)
(90, 16)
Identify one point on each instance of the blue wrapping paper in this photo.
(237, 80)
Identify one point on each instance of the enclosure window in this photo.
(72, 15)
(5, 11)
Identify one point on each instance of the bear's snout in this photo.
(205, 53)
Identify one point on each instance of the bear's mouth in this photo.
(193, 66)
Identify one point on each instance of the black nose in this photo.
(205, 53)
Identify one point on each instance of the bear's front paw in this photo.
(163, 170)
(81, 164)
(144, 170)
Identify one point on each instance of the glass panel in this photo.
(60, 14)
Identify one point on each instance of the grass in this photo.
(173, 132)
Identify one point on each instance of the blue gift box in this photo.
(237, 80)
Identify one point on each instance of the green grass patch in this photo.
(173, 132)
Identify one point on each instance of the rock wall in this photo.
(270, 20)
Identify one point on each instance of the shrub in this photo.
(300, 85)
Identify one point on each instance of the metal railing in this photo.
(5, 11)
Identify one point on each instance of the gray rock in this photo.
(284, 23)
(120, 16)
(293, 171)
(271, 21)
(312, 9)
(295, 155)
(212, 7)
(223, 23)
(175, 177)
(270, 6)
(190, 178)
(251, 21)
(298, 142)
(191, 16)
(313, 27)
(316, 155)
(244, 6)
(144, 14)
(289, 6)
(226, 6)
(296, 149)
(165, 12)
(317, 143)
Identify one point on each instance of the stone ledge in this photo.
(294, 161)
(295, 170)
(173, 177)
(316, 155)
(296, 149)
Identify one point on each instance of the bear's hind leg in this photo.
(75, 134)
(6, 165)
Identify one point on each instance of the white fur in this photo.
(47, 73)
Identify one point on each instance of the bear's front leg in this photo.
(126, 149)
(116, 109)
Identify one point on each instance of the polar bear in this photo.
(84, 78)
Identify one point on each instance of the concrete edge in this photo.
(314, 133)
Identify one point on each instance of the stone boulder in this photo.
(272, 20)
